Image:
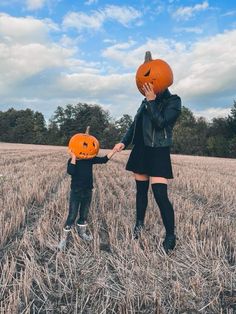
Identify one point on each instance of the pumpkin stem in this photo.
(148, 56)
(87, 130)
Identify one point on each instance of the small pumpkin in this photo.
(84, 145)
(157, 72)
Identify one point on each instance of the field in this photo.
(113, 273)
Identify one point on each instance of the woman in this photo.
(151, 134)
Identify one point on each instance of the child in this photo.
(81, 171)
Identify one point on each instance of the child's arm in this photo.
(111, 153)
(71, 165)
(103, 160)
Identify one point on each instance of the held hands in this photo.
(149, 92)
(118, 147)
(111, 153)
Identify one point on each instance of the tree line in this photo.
(191, 136)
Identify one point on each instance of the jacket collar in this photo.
(165, 94)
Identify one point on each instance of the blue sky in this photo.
(56, 52)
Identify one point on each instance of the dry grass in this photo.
(115, 274)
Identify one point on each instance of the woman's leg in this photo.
(159, 187)
(142, 184)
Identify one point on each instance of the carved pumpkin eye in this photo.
(147, 73)
(94, 144)
(85, 145)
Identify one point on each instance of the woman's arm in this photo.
(161, 118)
(127, 138)
(167, 116)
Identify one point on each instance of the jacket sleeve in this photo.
(71, 168)
(100, 160)
(127, 138)
(162, 118)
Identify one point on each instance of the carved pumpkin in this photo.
(84, 145)
(157, 72)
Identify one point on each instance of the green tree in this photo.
(184, 133)
(123, 124)
(232, 147)
(39, 130)
(110, 136)
(53, 134)
(217, 146)
(231, 120)
(75, 119)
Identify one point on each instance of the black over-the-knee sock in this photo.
(166, 208)
(141, 199)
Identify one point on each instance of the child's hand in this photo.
(71, 154)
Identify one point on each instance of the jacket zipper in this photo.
(153, 137)
(165, 133)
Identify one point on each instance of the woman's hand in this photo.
(118, 147)
(149, 92)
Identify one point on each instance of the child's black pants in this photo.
(80, 200)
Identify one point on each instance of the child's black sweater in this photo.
(82, 172)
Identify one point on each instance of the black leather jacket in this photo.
(159, 117)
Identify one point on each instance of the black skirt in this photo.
(152, 161)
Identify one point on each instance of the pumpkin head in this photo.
(157, 72)
(84, 145)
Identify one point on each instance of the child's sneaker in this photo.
(82, 233)
(67, 228)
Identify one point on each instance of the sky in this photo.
(58, 52)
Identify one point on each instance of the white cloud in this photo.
(195, 30)
(37, 70)
(80, 20)
(230, 13)
(25, 29)
(89, 2)
(35, 4)
(204, 72)
(123, 15)
(130, 56)
(186, 13)
(26, 50)
(212, 112)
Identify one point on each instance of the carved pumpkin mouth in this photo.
(147, 73)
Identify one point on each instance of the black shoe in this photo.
(169, 243)
(137, 229)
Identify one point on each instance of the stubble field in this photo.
(113, 273)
